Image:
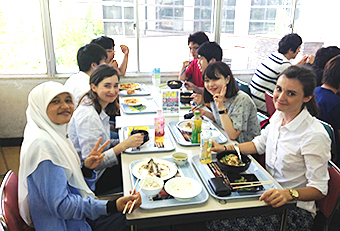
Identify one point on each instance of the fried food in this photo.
(230, 159)
(128, 86)
(130, 91)
(131, 101)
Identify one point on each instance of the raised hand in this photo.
(96, 156)
(125, 49)
(219, 97)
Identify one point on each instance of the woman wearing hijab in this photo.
(53, 194)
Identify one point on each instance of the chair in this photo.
(261, 117)
(9, 210)
(269, 103)
(329, 205)
(243, 86)
(4, 158)
(331, 134)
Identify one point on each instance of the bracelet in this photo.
(223, 111)
(225, 148)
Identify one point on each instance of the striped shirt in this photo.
(265, 77)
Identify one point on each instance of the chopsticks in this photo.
(134, 188)
(251, 184)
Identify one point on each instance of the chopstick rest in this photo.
(220, 187)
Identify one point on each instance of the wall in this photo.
(14, 93)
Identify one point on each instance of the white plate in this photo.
(167, 170)
(139, 101)
(134, 87)
(184, 125)
(124, 92)
(183, 188)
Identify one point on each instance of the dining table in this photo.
(212, 208)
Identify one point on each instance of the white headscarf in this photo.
(45, 140)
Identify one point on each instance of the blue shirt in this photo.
(55, 205)
(329, 108)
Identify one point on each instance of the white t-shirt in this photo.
(78, 84)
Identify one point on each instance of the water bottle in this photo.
(205, 146)
(159, 127)
(196, 128)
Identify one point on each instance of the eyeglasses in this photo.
(193, 48)
(110, 51)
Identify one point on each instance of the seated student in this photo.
(327, 99)
(88, 57)
(232, 109)
(190, 70)
(322, 56)
(297, 149)
(53, 194)
(208, 52)
(109, 45)
(91, 121)
(265, 77)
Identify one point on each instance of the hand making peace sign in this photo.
(219, 97)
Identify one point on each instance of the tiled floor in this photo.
(12, 159)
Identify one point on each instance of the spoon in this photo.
(239, 155)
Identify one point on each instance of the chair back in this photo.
(269, 103)
(330, 204)
(331, 134)
(9, 208)
(243, 86)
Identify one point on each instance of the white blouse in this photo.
(297, 153)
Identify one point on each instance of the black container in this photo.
(185, 97)
(174, 84)
(229, 168)
(145, 133)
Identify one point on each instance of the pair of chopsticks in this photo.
(134, 188)
(250, 184)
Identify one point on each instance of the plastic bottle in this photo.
(196, 128)
(205, 146)
(159, 127)
(156, 76)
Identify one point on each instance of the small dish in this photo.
(180, 158)
(215, 134)
(183, 188)
(237, 178)
(185, 97)
(186, 125)
(129, 86)
(151, 186)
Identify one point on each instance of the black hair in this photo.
(198, 37)
(324, 54)
(290, 41)
(331, 73)
(105, 42)
(210, 50)
(214, 71)
(307, 79)
(100, 73)
(88, 54)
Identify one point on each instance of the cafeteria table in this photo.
(212, 209)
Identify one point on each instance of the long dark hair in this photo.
(100, 73)
(211, 72)
(307, 78)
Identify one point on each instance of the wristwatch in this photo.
(224, 111)
(294, 194)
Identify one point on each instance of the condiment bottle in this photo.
(159, 127)
(205, 146)
(196, 128)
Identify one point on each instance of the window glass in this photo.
(21, 38)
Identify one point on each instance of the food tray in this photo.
(180, 139)
(205, 173)
(151, 107)
(169, 143)
(186, 170)
(143, 91)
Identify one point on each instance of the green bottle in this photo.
(196, 128)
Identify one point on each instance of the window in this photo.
(21, 38)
